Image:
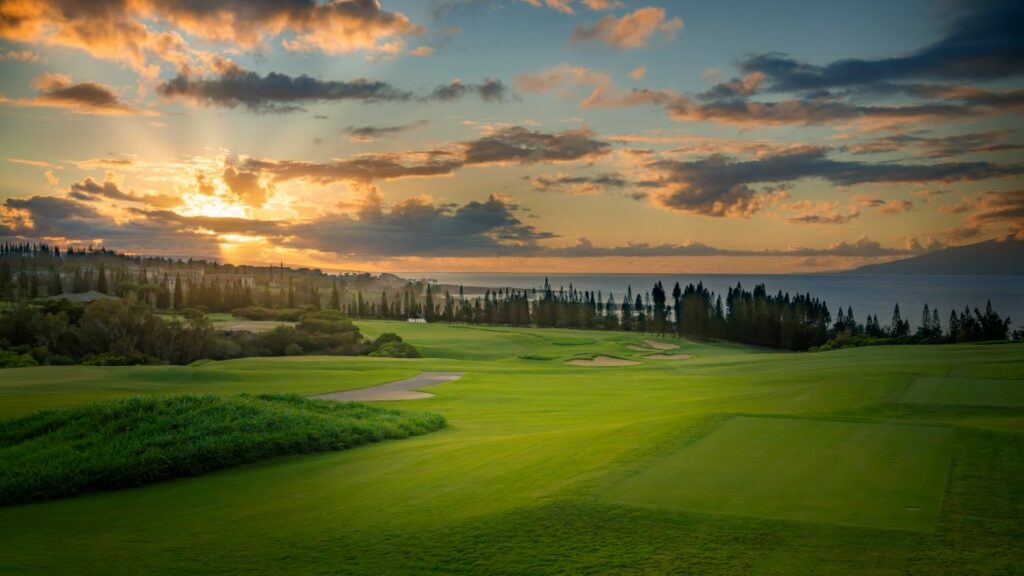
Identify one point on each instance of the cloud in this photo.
(577, 184)
(416, 227)
(825, 218)
(362, 168)
(33, 163)
(629, 31)
(637, 74)
(59, 91)
(274, 92)
(863, 247)
(942, 146)
(91, 191)
(421, 51)
(517, 145)
(720, 186)
(371, 133)
(245, 185)
(565, 6)
(26, 56)
(64, 220)
(489, 91)
(985, 41)
(1000, 208)
(504, 146)
(138, 31)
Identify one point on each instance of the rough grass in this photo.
(60, 453)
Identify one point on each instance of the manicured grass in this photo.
(513, 484)
(863, 474)
(23, 391)
(966, 392)
(60, 453)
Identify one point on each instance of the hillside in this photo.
(984, 258)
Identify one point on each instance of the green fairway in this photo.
(966, 392)
(818, 475)
(887, 476)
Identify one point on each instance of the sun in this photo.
(215, 206)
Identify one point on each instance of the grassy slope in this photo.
(515, 484)
(55, 454)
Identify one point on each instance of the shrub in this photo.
(255, 313)
(62, 453)
(14, 360)
(396, 350)
(112, 359)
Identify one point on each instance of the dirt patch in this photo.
(661, 345)
(398, 390)
(669, 356)
(604, 361)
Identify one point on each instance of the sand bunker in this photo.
(602, 361)
(398, 390)
(669, 356)
(661, 345)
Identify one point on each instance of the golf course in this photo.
(726, 460)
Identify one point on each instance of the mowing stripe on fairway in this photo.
(862, 474)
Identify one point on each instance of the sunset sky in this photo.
(514, 135)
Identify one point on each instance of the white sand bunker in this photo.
(669, 356)
(661, 345)
(602, 361)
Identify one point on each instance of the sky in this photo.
(515, 135)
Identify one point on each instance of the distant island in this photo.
(992, 257)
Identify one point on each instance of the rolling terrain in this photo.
(724, 460)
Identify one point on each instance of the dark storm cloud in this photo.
(984, 41)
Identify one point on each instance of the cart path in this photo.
(397, 390)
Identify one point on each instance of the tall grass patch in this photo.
(61, 453)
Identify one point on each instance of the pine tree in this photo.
(428, 306)
(101, 283)
(54, 286)
(179, 300)
(335, 303)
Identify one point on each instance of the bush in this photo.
(255, 313)
(62, 453)
(111, 359)
(396, 350)
(14, 360)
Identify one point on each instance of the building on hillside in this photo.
(418, 320)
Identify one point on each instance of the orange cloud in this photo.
(631, 30)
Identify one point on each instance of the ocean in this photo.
(865, 293)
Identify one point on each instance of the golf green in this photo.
(879, 475)
(965, 392)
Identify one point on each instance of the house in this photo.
(418, 320)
